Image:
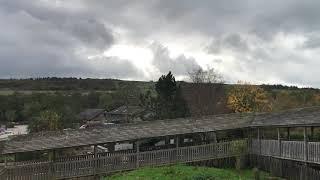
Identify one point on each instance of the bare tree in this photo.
(210, 75)
(206, 95)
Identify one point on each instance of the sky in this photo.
(270, 42)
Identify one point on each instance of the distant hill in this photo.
(66, 84)
(202, 99)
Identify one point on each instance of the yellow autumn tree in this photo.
(245, 97)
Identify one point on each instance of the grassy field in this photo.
(184, 172)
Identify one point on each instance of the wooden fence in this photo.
(292, 150)
(288, 169)
(289, 159)
(102, 164)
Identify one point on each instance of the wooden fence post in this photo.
(177, 148)
(5, 161)
(304, 167)
(215, 144)
(137, 153)
(312, 133)
(52, 157)
(305, 139)
(280, 150)
(95, 150)
(279, 142)
(259, 141)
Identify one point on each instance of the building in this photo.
(92, 115)
(125, 114)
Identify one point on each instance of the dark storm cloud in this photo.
(232, 41)
(57, 36)
(40, 40)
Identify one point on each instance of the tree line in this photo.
(164, 99)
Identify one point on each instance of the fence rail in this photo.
(101, 164)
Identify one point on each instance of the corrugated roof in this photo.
(65, 139)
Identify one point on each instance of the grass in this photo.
(184, 172)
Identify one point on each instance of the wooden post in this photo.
(288, 133)
(137, 153)
(259, 141)
(52, 159)
(215, 138)
(177, 148)
(249, 131)
(280, 149)
(95, 151)
(95, 160)
(304, 167)
(312, 133)
(5, 161)
(305, 139)
(279, 142)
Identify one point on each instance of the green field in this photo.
(184, 172)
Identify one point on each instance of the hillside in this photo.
(21, 100)
(66, 84)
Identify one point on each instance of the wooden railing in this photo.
(102, 164)
(293, 150)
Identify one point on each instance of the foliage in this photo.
(169, 102)
(147, 101)
(248, 98)
(238, 147)
(184, 172)
(46, 121)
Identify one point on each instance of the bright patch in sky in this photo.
(139, 56)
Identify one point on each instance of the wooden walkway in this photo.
(104, 164)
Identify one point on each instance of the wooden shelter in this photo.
(261, 135)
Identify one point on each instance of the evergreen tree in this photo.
(169, 102)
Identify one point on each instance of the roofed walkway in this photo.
(248, 123)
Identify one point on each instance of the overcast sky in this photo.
(250, 40)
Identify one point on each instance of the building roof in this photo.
(294, 117)
(65, 139)
(89, 114)
(126, 110)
